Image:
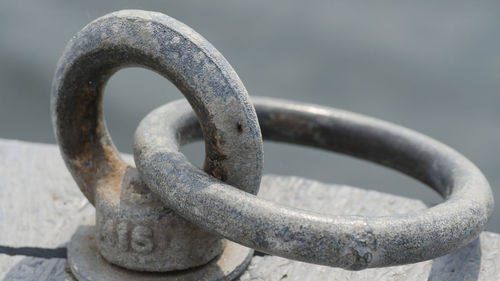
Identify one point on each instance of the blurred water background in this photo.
(433, 66)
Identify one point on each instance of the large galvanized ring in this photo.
(351, 242)
(124, 207)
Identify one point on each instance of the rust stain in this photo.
(239, 127)
(216, 158)
(94, 160)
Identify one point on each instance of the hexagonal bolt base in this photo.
(86, 263)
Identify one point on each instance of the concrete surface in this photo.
(41, 207)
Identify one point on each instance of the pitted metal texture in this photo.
(134, 229)
(350, 242)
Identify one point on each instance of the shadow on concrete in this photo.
(34, 252)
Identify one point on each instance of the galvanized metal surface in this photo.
(42, 212)
(87, 264)
(135, 230)
(351, 242)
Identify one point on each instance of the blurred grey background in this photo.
(433, 66)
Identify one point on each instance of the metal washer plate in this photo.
(87, 264)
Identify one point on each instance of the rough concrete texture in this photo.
(41, 207)
(137, 231)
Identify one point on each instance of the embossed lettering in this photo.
(122, 231)
(127, 237)
(142, 239)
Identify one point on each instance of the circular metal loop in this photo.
(351, 242)
(124, 206)
(167, 46)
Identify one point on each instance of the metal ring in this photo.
(165, 45)
(351, 242)
(214, 90)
